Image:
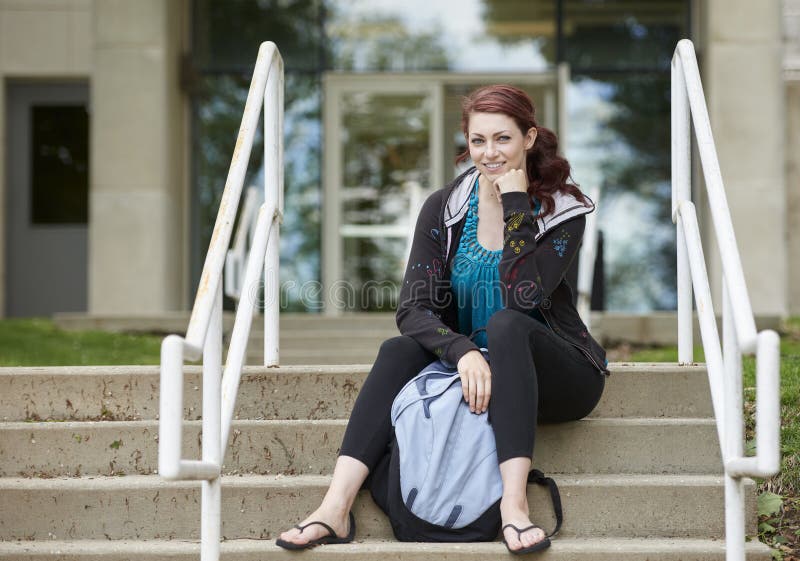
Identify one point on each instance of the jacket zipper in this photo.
(586, 353)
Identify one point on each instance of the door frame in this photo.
(338, 84)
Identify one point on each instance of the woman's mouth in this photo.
(493, 166)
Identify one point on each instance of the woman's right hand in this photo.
(476, 380)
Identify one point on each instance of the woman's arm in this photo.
(531, 270)
(426, 293)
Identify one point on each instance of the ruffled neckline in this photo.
(473, 247)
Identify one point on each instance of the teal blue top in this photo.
(475, 277)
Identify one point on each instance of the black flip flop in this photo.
(538, 546)
(331, 538)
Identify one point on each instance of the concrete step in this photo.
(302, 392)
(310, 447)
(563, 549)
(255, 506)
(331, 338)
(308, 355)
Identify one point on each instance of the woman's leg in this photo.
(367, 435)
(536, 376)
(514, 504)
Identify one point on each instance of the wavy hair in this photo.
(547, 171)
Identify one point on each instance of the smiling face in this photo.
(496, 145)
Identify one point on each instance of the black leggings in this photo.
(536, 376)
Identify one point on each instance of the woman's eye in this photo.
(477, 140)
(504, 138)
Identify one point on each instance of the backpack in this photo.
(440, 480)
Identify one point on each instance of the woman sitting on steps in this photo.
(491, 251)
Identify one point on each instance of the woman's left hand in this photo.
(511, 181)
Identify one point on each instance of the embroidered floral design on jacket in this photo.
(560, 243)
(515, 220)
(436, 270)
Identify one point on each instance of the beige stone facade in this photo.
(742, 53)
(130, 52)
(138, 183)
(791, 73)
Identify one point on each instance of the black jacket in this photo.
(535, 259)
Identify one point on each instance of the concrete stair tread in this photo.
(348, 332)
(595, 445)
(303, 481)
(153, 423)
(594, 549)
(302, 391)
(258, 506)
(127, 370)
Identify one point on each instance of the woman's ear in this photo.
(530, 137)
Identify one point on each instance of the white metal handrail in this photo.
(204, 333)
(739, 330)
(236, 258)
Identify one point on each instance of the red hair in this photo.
(547, 171)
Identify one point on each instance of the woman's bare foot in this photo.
(348, 475)
(517, 514)
(336, 519)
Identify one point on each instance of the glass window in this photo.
(60, 164)
(617, 127)
(622, 34)
(620, 141)
(218, 114)
(227, 33)
(385, 139)
(455, 35)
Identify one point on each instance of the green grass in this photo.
(38, 342)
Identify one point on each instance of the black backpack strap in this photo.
(536, 476)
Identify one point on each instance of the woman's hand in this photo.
(511, 181)
(476, 380)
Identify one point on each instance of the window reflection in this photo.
(618, 115)
(622, 145)
(455, 35)
(622, 34)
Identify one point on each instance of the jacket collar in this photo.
(458, 200)
(566, 205)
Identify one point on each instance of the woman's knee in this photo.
(400, 347)
(505, 323)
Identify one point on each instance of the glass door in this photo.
(379, 165)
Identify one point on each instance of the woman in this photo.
(491, 251)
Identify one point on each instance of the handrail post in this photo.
(211, 496)
(734, 430)
(273, 191)
(682, 191)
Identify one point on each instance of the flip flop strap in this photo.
(537, 477)
(523, 530)
(332, 533)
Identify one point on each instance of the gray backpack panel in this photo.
(449, 475)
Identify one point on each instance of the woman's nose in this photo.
(491, 149)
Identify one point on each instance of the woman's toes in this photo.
(511, 539)
(531, 537)
(290, 535)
